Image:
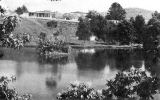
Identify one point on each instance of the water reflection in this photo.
(42, 59)
(45, 76)
(115, 59)
(51, 83)
(152, 62)
(96, 61)
(51, 64)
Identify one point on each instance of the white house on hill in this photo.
(42, 14)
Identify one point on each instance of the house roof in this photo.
(46, 11)
(78, 12)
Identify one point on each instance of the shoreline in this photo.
(80, 46)
(98, 46)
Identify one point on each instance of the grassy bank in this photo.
(35, 26)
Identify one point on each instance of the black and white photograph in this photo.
(79, 50)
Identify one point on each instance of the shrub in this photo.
(46, 46)
(52, 24)
(130, 83)
(10, 94)
(78, 91)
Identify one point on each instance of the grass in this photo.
(35, 26)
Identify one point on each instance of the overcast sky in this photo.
(80, 5)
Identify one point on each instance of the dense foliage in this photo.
(7, 93)
(46, 46)
(78, 91)
(125, 32)
(139, 25)
(21, 10)
(132, 83)
(83, 30)
(150, 39)
(102, 28)
(113, 30)
(116, 12)
(52, 24)
(7, 38)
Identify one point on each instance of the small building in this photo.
(42, 14)
(115, 21)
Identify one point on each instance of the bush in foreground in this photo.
(78, 92)
(133, 83)
(7, 93)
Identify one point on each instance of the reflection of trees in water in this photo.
(152, 62)
(121, 59)
(42, 59)
(126, 58)
(51, 83)
(54, 62)
(96, 61)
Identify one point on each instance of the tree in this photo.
(83, 30)
(116, 12)
(125, 32)
(91, 14)
(131, 20)
(152, 21)
(156, 15)
(7, 38)
(151, 35)
(139, 25)
(98, 26)
(2, 10)
(19, 11)
(24, 8)
(103, 29)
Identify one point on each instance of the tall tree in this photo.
(125, 32)
(83, 30)
(98, 26)
(24, 8)
(116, 12)
(91, 14)
(19, 11)
(102, 28)
(156, 15)
(151, 35)
(139, 25)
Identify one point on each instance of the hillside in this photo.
(36, 26)
(133, 12)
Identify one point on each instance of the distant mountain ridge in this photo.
(133, 12)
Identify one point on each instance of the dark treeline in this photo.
(115, 28)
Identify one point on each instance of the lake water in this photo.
(44, 77)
